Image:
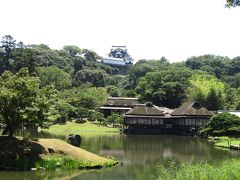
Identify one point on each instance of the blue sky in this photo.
(150, 29)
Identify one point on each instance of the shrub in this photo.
(222, 124)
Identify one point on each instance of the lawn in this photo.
(24, 154)
(85, 129)
(226, 142)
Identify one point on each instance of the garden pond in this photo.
(138, 155)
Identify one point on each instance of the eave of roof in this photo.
(115, 108)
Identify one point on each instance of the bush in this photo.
(115, 119)
(222, 124)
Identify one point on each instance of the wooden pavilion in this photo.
(189, 117)
(150, 119)
(118, 105)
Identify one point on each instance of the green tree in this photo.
(207, 90)
(54, 76)
(233, 98)
(8, 44)
(90, 55)
(223, 124)
(165, 88)
(21, 100)
(93, 77)
(85, 97)
(114, 91)
(72, 51)
(61, 111)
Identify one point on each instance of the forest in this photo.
(48, 85)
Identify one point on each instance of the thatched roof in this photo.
(145, 110)
(121, 102)
(191, 109)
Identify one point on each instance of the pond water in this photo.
(138, 156)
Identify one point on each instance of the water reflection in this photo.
(142, 149)
(138, 155)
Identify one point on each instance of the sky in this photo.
(175, 29)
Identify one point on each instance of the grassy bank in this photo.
(84, 129)
(170, 170)
(22, 154)
(225, 142)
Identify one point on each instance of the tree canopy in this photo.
(73, 83)
(21, 100)
(207, 90)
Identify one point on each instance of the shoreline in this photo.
(47, 154)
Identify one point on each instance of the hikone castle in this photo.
(150, 119)
(118, 56)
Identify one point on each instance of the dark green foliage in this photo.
(21, 100)
(72, 51)
(84, 98)
(114, 91)
(158, 81)
(142, 67)
(54, 76)
(234, 81)
(165, 88)
(96, 116)
(8, 43)
(96, 77)
(223, 124)
(212, 64)
(90, 55)
(233, 98)
(115, 119)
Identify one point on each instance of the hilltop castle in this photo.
(118, 56)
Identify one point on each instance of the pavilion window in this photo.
(182, 122)
(192, 122)
(153, 121)
(145, 121)
(198, 121)
(148, 121)
(134, 121)
(161, 121)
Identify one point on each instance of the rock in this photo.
(33, 169)
(41, 168)
(51, 150)
(58, 164)
(74, 140)
(237, 147)
(77, 140)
